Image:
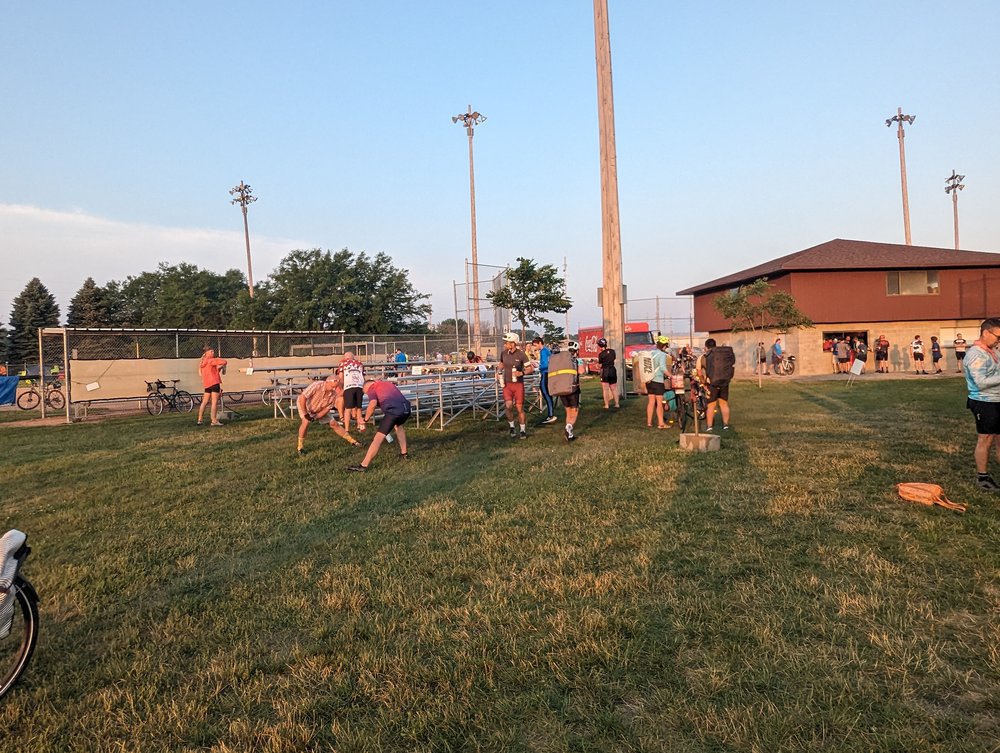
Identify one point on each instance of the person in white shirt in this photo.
(352, 373)
(917, 352)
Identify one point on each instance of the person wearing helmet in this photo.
(656, 387)
(609, 373)
(514, 364)
(543, 379)
(571, 401)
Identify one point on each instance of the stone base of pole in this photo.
(701, 442)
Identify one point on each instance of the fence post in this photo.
(41, 370)
(69, 388)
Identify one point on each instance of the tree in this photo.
(759, 306)
(4, 344)
(448, 327)
(531, 292)
(89, 307)
(321, 290)
(35, 307)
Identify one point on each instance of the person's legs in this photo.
(543, 382)
(201, 408)
(341, 432)
(303, 427)
(373, 448)
(215, 408)
(710, 415)
(982, 453)
(659, 412)
(606, 394)
(401, 437)
(651, 401)
(724, 410)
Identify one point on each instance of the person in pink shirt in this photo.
(212, 381)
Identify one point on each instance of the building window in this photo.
(912, 282)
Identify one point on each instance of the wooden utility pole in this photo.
(612, 302)
(900, 119)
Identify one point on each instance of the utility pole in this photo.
(244, 197)
(470, 120)
(565, 278)
(611, 244)
(953, 186)
(899, 118)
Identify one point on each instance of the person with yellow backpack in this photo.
(564, 382)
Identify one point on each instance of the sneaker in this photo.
(988, 483)
(522, 435)
(357, 468)
(725, 428)
(404, 455)
(569, 435)
(709, 429)
(216, 423)
(199, 422)
(301, 451)
(513, 431)
(550, 420)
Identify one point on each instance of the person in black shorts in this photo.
(609, 373)
(571, 402)
(395, 412)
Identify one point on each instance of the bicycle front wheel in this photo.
(55, 400)
(185, 403)
(28, 400)
(154, 404)
(19, 640)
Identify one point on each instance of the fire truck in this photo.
(637, 337)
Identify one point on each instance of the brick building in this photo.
(865, 289)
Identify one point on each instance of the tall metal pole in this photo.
(243, 197)
(470, 120)
(899, 118)
(612, 303)
(954, 185)
(565, 278)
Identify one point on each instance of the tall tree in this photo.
(34, 307)
(531, 292)
(760, 306)
(4, 344)
(449, 327)
(317, 289)
(89, 307)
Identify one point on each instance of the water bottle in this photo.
(389, 439)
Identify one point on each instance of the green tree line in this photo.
(309, 290)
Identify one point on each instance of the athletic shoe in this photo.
(301, 451)
(216, 423)
(513, 431)
(550, 420)
(522, 435)
(569, 435)
(989, 484)
(709, 429)
(404, 455)
(357, 468)
(725, 428)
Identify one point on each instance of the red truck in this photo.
(637, 337)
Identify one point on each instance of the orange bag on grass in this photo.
(927, 494)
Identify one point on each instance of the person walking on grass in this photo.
(960, 346)
(352, 376)
(212, 381)
(395, 412)
(315, 404)
(606, 358)
(514, 365)
(544, 352)
(565, 373)
(656, 387)
(982, 376)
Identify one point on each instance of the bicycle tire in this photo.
(154, 404)
(790, 368)
(184, 401)
(16, 649)
(28, 400)
(265, 396)
(55, 400)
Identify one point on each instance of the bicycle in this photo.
(18, 610)
(695, 400)
(175, 399)
(786, 365)
(31, 398)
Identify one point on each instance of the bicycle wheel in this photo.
(154, 404)
(789, 367)
(265, 396)
(184, 401)
(28, 400)
(55, 400)
(19, 642)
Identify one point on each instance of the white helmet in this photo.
(510, 337)
(572, 345)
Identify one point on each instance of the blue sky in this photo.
(745, 131)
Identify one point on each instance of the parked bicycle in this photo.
(693, 401)
(18, 610)
(786, 365)
(31, 398)
(169, 398)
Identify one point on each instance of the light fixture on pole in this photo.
(954, 185)
(470, 120)
(899, 118)
(243, 197)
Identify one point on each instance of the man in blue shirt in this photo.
(982, 375)
(543, 367)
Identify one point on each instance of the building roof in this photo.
(839, 255)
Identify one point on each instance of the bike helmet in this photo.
(510, 337)
(663, 340)
(572, 345)
(602, 343)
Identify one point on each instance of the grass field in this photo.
(206, 589)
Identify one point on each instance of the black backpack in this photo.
(720, 364)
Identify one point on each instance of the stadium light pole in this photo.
(243, 197)
(953, 186)
(899, 119)
(612, 297)
(469, 121)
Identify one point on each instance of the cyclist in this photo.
(210, 378)
(656, 387)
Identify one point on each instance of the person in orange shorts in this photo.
(315, 404)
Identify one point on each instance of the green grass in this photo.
(207, 590)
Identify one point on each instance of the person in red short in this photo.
(395, 412)
(515, 365)
(212, 381)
